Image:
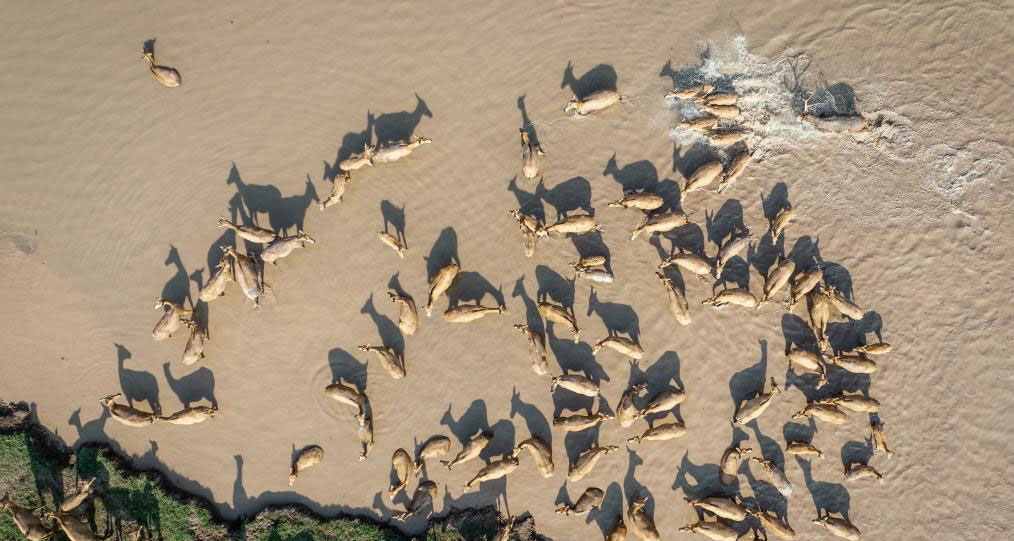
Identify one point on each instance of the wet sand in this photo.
(113, 184)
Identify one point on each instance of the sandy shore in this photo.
(113, 185)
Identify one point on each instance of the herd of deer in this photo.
(718, 110)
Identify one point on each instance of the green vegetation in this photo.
(288, 524)
(38, 472)
(126, 502)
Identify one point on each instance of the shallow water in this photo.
(113, 185)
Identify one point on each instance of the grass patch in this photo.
(38, 472)
(292, 524)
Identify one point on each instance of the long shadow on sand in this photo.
(394, 218)
(443, 252)
(601, 77)
(136, 385)
(401, 125)
(526, 123)
(532, 317)
(472, 287)
(196, 386)
(749, 382)
(619, 319)
(535, 420)
(642, 175)
(390, 334)
(347, 368)
(353, 142)
(285, 214)
(177, 288)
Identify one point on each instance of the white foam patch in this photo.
(951, 172)
(765, 97)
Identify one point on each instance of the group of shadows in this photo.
(695, 480)
(252, 204)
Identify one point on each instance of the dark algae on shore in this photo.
(36, 470)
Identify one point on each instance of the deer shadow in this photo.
(770, 449)
(601, 77)
(284, 213)
(725, 222)
(468, 424)
(472, 287)
(776, 201)
(848, 334)
(694, 74)
(228, 236)
(575, 356)
(575, 443)
(567, 196)
(394, 217)
(94, 430)
(177, 288)
(632, 488)
(45, 465)
(390, 334)
(634, 176)
(617, 318)
(688, 76)
(240, 500)
(689, 160)
(662, 375)
(502, 443)
(705, 479)
(841, 381)
(400, 126)
(353, 142)
(797, 333)
(796, 431)
(532, 316)
(838, 277)
(752, 381)
(194, 387)
(200, 313)
(643, 176)
(735, 272)
(590, 244)
(526, 123)
(610, 508)
(805, 252)
(528, 202)
(553, 286)
(827, 497)
(394, 284)
(215, 252)
(535, 420)
(764, 254)
(346, 368)
(690, 237)
(136, 385)
(855, 452)
(443, 252)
